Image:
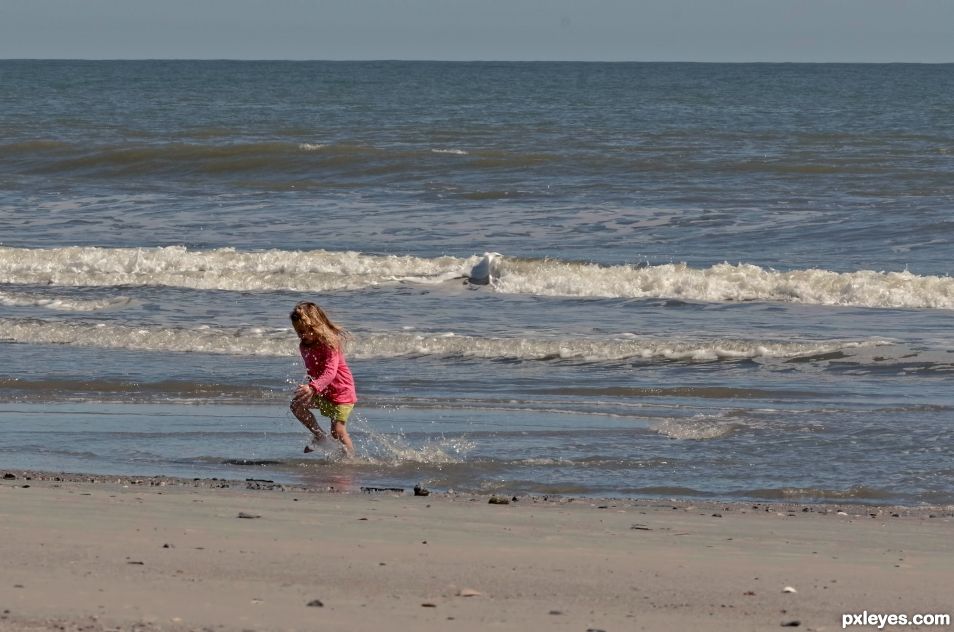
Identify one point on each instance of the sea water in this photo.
(713, 281)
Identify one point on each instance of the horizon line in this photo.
(468, 61)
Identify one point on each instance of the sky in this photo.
(579, 30)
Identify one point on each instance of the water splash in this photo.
(394, 449)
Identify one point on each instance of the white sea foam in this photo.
(255, 341)
(323, 270)
(62, 303)
(221, 269)
(726, 282)
(310, 146)
(698, 428)
(456, 152)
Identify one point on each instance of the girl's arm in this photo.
(328, 359)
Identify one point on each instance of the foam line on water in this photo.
(62, 303)
(256, 341)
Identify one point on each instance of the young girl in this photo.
(331, 388)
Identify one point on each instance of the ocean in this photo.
(713, 281)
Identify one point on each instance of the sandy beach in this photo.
(106, 553)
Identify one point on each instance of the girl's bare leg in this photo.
(339, 432)
(307, 419)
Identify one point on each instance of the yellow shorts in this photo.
(331, 410)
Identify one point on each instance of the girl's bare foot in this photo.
(314, 443)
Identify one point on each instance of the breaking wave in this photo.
(221, 269)
(726, 282)
(322, 270)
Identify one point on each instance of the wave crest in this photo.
(726, 282)
(220, 269)
(324, 270)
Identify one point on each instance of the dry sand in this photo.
(106, 553)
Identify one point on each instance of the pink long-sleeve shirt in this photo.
(330, 376)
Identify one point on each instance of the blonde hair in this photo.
(309, 318)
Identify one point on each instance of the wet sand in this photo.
(105, 553)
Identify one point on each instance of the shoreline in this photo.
(97, 553)
(822, 506)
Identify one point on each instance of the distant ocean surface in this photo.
(714, 281)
